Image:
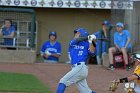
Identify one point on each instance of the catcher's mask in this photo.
(136, 56)
(83, 32)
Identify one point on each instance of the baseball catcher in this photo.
(132, 83)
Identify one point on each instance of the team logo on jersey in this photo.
(78, 47)
(86, 3)
(102, 4)
(8, 2)
(52, 3)
(120, 4)
(33, 2)
(52, 49)
(16, 2)
(68, 3)
(25, 2)
(77, 3)
(60, 3)
(94, 4)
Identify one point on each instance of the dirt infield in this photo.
(99, 78)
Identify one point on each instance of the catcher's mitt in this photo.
(114, 85)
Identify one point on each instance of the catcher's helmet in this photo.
(136, 56)
(52, 34)
(83, 32)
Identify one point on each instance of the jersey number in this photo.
(80, 53)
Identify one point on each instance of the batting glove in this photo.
(91, 38)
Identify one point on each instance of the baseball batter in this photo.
(135, 77)
(79, 50)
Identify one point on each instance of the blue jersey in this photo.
(54, 48)
(8, 41)
(79, 51)
(104, 44)
(121, 39)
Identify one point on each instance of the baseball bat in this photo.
(103, 39)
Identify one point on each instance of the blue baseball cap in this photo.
(119, 24)
(106, 22)
(52, 34)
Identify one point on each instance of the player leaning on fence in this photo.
(7, 31)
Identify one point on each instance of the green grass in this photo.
(14, 82)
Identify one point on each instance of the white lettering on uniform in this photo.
(52, 49)
(78, 47)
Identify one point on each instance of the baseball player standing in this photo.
(80, 47)
(51, 50)
(101, 46)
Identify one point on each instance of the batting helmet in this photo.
(52, 34)
(83, 32)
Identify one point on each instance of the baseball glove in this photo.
(114, 85)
